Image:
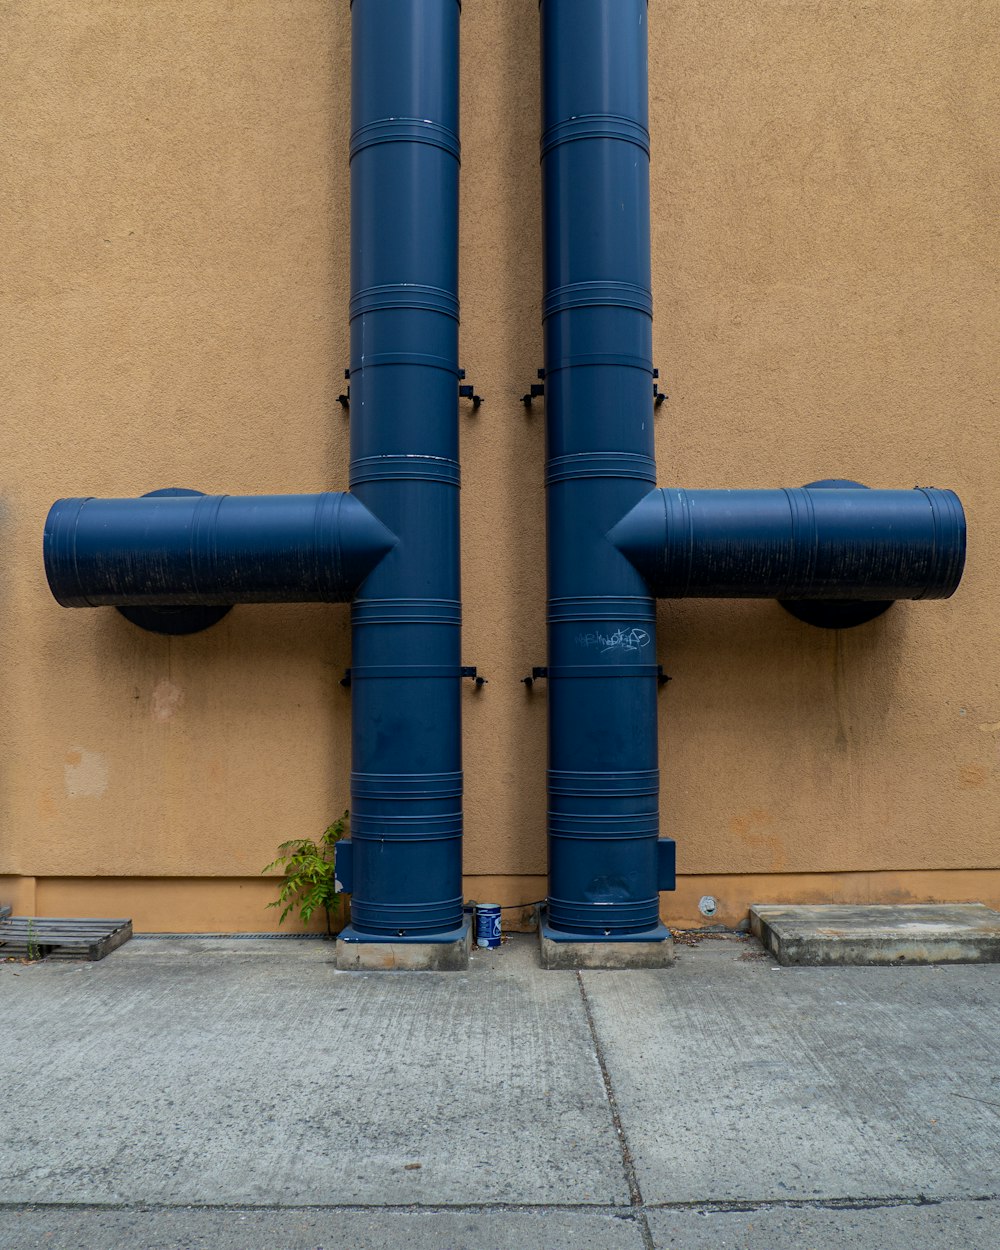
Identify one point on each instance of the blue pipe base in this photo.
(658, 933)
(446, 951)
(350, 934)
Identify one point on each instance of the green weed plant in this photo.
(309, 880)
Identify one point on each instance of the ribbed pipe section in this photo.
(597, 307)
(183, 549)
(803, 543)
(406, 784)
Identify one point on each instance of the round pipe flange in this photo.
(836, 613)
(174, 621)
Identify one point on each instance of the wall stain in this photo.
(841, 737)
(167, 700)
(86, 774)
(751, 830)
(971, 775)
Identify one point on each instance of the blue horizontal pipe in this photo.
(170, 550)
(840, 544)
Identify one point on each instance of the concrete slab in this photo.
(207, 1092)
(224, 1072)
(740, 1081)
(923, 933)
(355, 955)
(941, 1226)
(291, 1229)
(606, 955)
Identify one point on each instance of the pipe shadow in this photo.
(774, 734)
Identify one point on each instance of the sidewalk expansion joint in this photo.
(884, 1202)
(707, 1206)
(614, 1210)
(628, 1163)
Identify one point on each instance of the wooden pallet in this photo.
(45, 937)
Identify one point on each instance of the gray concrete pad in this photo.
(944, 1226)
(355, 956)
(222, 1072)
(40, 1229)
(606, 955)
(739, 1080)
(921, 933)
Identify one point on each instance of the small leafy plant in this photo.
(309, 880)
(34, 951)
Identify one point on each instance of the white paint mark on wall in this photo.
(166, 701)
(86, 774)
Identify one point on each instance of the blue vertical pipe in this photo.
(406, 781)
(603, 778)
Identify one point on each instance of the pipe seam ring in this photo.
(589, 464)
(405, 130)
(421, 829)
(595, 126)
(406, 611)
(417, 787)
(397, 295)
(608, 785)
(405, 469)
(619, 608)
(420, 360)
(597, 295)
(426, 827)
(388, 919)
(607, 830)
(594, 916)
(614, 360)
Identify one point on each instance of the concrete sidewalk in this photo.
(244, 1093)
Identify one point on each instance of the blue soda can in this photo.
(488, 925)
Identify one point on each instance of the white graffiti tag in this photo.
(623, 639)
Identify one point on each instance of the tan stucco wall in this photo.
(174, 301)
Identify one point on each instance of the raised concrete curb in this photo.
(839, 934)
(405, 956)
(609, 955)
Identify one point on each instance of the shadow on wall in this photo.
(771, 770)
(839, 682)
(254, 669)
